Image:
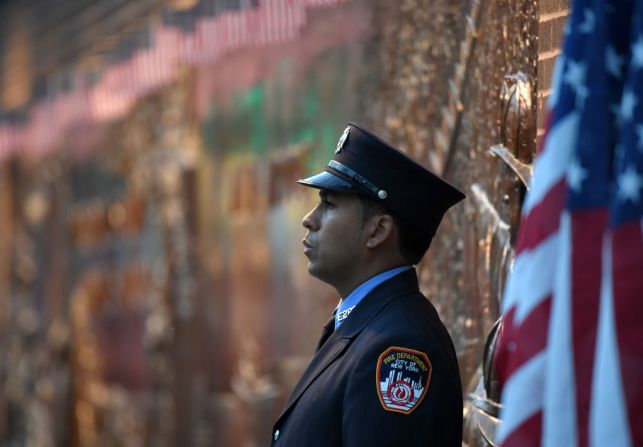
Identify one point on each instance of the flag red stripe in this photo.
(544, 218)
(530, 336)
(627, 271)
(587, 231)
(527, 434)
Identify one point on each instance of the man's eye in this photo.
(326, 203)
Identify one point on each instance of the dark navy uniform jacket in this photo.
(339, 402)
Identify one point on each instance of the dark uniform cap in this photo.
(364, 164)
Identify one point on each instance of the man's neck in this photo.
(356, 280)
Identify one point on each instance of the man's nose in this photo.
(309, 221)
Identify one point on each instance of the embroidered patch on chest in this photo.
(403, 377)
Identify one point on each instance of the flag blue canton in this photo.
(602, 64)
(627, 195)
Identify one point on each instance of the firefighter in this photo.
(385, 371)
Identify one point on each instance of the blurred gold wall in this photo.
(153, 289)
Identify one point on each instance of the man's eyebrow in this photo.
(326, 194)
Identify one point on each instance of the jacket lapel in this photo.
(331, 349)
(338, 341)
(329, 328)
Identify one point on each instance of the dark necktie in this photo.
(329, 328)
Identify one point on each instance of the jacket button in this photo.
(276, 435)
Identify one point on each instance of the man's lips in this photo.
(307, 246)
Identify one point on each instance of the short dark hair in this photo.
(412, 242)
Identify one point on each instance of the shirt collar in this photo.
(347, 305)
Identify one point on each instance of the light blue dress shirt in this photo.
(347, 305)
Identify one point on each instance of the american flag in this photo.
(571, 354)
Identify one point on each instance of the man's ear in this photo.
(381, 228)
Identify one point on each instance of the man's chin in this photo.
(314, 271)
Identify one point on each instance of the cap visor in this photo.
(327, 180)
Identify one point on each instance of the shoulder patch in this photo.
(403, 377)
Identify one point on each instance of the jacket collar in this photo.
(373, 303)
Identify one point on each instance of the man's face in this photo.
(334, 244)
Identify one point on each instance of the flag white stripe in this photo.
(555, 89)
(551, 164)
(522, 395)
(532, 278)
(559, 408)
(607, 414)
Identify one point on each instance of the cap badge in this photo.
(342, 140)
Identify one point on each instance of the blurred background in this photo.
(153, 289)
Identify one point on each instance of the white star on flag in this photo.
(613, 62)
(629, 184)
(582, 93)
(637, 53)
(626, 110)
(575, 176)
(575, 74)
(589, 22)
